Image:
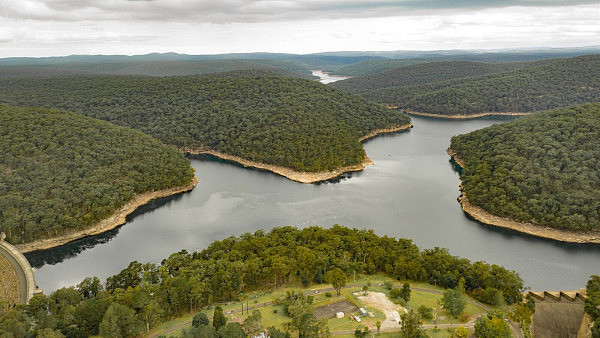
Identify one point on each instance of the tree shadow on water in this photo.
(56, 255)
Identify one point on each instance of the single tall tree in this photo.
(453, 300)
(411, 325)
(405, 292)
(337, 278)
(219, 318)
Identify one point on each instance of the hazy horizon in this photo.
(474, 51)
(39, 28)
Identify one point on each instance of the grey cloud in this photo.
(227, 11)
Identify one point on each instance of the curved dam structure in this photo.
(559, 314)
(24, 272)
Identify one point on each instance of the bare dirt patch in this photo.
(380, 301)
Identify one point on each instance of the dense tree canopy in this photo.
(544, 85)
(422, 73)
(492, 326)
(153, 68)
(543, 169)
(373, 66)
(592, 303)
(232, 267)
(283, 121)
(62, 171)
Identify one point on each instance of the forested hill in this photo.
(61, 172)
(39, 71)
(143, 295)
(553, 84)
(155, 68)
(283, 121)
(421, 74)
(368, 67)
(543, 169)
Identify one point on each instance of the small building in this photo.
(362, 312)
(339, 315)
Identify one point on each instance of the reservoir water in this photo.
(326, 77)
(409, 192)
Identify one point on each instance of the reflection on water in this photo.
(409, 192)
(56, 255)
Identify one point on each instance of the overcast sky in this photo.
(63, 27)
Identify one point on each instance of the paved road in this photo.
(516, 329)
(469, 324)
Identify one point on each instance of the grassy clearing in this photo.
(341, 324)
(163, 327)
(273, 315)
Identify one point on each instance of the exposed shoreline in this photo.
(298, 176)
(462, 117)
(485, 217)
(301, 176)
(116, 219)
(376, 132)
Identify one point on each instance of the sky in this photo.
(65, 27)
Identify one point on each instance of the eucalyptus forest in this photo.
(62, 171)
(541, 86)
(142, 295)
(543, 169)
(81, 136)
(423, 73)
(290, 122)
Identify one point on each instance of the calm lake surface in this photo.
(327, 78)
(410, 192)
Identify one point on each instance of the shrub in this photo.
(425, 312)
(395, 293)
(327, 294)
(200, 319)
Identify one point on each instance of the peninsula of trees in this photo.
(143, 295)
(61, 172)
(281, 121)
(542, 85)
(542, 169)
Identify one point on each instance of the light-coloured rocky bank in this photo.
(300, 176)
(485, 217)
(116, 219)
(119, 217)
(385, 131)
(462, 116)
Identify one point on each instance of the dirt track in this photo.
(380, 301)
